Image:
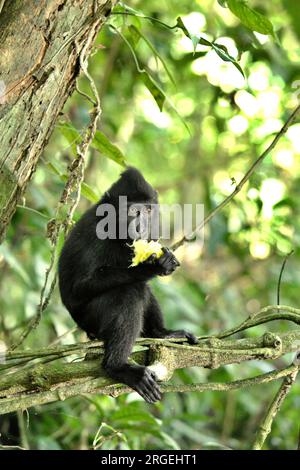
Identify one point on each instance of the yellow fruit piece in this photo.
(143, 249)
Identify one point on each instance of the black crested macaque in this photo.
(109, 299)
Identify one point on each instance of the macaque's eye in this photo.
(146, 210)
(133, 211)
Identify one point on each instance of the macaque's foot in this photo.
(147, 387)
(139, 378)
(182, 334)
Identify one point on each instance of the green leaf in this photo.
(160, 96)
(293, 10)
(204, 42)
(86, 190)
(180, 24)
(286, 202)
(107, 149)
(215, 445)
(218, 48)
(154, 89)
(133, 412)
(222, 53)
(100, 142)
(54, 168)
(136, 32)
(70, 133)
(15, 265)
(193, 37)
(171, 443)
(151, 84)
(250, 18)
(135, 35)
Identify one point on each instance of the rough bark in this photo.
(25, 383)
(40, 44)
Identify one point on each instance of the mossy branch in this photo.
(266, 424)
(30, 378)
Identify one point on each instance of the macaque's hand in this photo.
(165, 264)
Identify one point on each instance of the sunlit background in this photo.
(215, 122)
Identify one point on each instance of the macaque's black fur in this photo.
(110, 300)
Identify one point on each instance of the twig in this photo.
(84, 95)
(280, 275)
(11, 447)
(1, 4)
(265, 315)
(44, 382)
(62, 336)
(266, 424)
(112, 55)
(104, 387)
(22, 429)
(239, 186)
(145, 17)
(234, 385)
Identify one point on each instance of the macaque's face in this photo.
(143, 220)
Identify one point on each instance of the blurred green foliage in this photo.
(214, 123)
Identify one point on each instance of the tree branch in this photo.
(243, 181)
(30, 378)
(266, 424)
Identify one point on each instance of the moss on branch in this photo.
(37, 377)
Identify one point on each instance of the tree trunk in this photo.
(40, 45)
